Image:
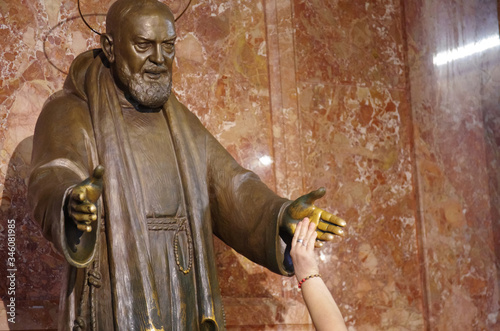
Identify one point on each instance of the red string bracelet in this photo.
(308, 277)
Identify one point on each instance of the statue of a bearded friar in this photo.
(129, 186)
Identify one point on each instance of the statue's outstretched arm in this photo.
(64, 154)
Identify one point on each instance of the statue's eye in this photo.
(142, 45)
(168, 47)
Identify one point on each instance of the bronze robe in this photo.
(110, 280)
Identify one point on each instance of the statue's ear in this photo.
(108, 47)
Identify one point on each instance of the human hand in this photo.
(82, 205)
(302, 252)
(326, 224)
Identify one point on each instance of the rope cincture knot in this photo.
(94, 278)
(79, 324)
(306, 278)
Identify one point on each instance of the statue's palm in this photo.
(326, 224)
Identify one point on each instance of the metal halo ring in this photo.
(98, 33)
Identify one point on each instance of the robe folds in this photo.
(110, 281)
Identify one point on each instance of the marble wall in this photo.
(455, 109)
(341, 94)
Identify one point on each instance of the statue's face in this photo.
(144, 52)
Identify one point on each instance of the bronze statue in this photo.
(129, 186)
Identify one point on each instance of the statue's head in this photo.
(139, 45)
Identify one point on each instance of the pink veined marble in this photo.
(341, 94)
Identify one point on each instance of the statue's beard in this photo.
(149, 94)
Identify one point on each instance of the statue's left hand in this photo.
(326, 224)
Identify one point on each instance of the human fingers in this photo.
(302, 234)
(296, 234)
(310, 237)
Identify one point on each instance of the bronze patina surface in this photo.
(129, 186)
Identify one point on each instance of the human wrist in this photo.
(301, 273)
(307, 278)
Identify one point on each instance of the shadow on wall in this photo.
(30, 280)
(254, 298)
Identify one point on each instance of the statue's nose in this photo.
(157, 56)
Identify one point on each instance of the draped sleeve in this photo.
(62, 157)
(246, 213)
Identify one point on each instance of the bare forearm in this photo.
(324, 311)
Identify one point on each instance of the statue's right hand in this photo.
(82, 205)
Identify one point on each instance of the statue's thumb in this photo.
(97, 174)
(315, 195)
(96, 183)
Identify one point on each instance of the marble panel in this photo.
(349, 42)
(283, 94)
(356, 143)
(230, 94)
(456, 184)
(356, 135)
